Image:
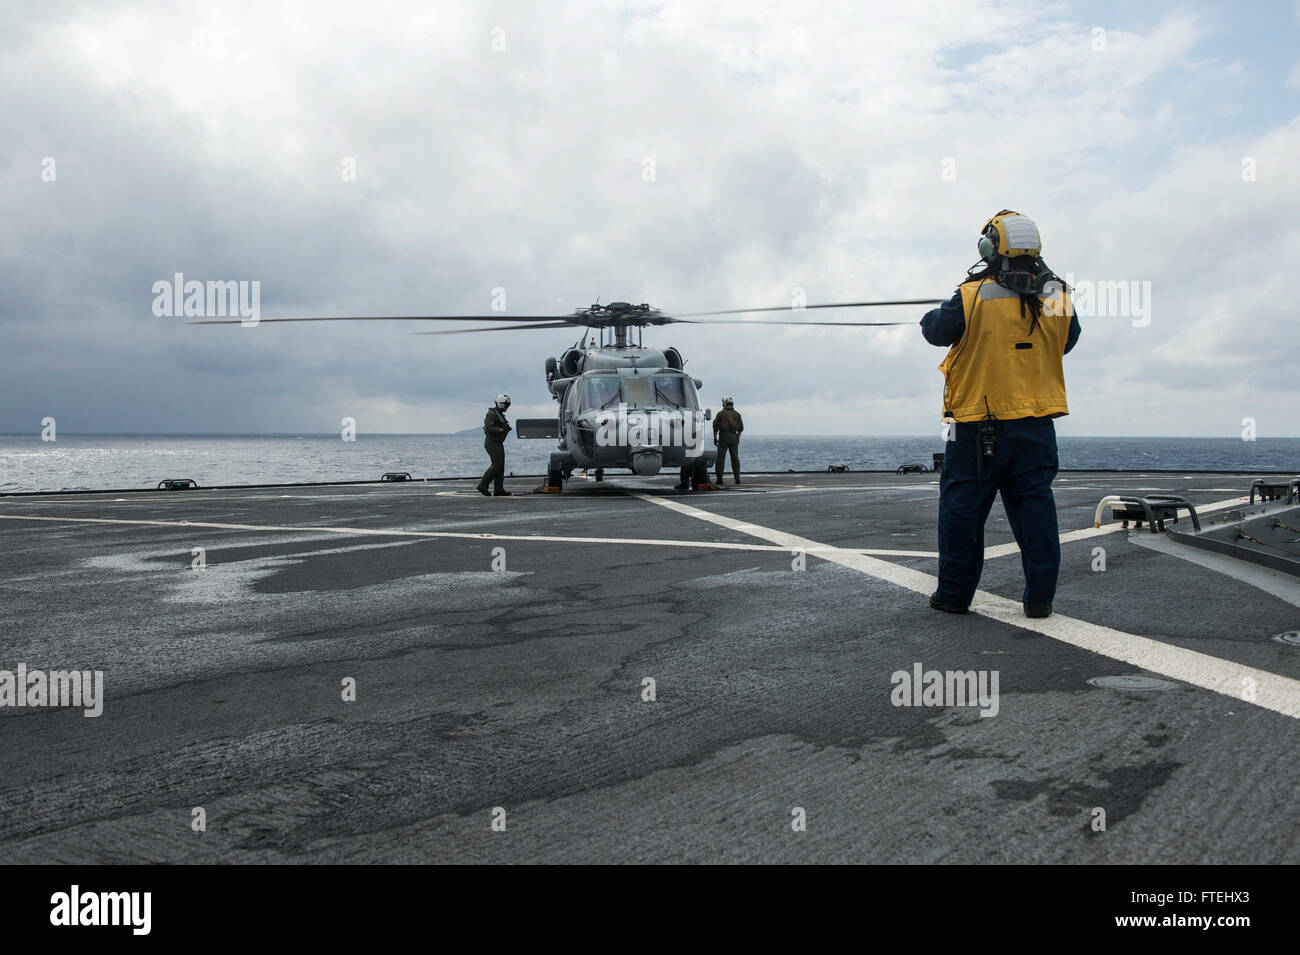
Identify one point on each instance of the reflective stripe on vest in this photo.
(1020, 375)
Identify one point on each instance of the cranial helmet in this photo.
(1009, 234)
(727, 401)
(503, 402)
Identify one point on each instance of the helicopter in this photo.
(620, 404)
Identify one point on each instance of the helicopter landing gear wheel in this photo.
(600, 474)
(555, 479)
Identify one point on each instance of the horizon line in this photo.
(473, 432)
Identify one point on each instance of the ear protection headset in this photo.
(1009, 234)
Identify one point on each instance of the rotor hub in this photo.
(620, 315)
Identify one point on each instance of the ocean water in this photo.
(89, 462)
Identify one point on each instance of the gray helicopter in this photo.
(619, 403)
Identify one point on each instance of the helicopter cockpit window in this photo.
(599, 391)
(671, 390)
(638, 391)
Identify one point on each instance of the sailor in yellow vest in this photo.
(1008, 326)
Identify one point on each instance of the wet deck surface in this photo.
(522, 688)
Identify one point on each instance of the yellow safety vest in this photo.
(1020, 375)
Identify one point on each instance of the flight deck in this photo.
(626, 673)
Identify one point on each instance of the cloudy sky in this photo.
(688, 154)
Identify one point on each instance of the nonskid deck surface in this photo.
(518, 694)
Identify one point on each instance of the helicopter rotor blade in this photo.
(589, 318)
(777, 321)
(498, 328)
(792, 308)
(560, 319)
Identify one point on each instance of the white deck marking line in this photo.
(998, 550)
(929, 486)
(1011, 547)
(1273, 692)
(369, 531)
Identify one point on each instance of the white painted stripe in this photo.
(374, 532)
(187, 498)
(837, 488)
(1278, 693)
(1011, 547)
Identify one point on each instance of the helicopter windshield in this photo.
(599, 391)
(671, 390)
(638, 391)
(603, 391)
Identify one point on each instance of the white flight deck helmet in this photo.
(1009, 234)
(1011, 245)
(502, 402)
(727, 401)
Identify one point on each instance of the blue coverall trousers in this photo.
(1022, 473)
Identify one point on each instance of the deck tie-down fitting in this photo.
(1273, 490)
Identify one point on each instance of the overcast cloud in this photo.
(793, 145)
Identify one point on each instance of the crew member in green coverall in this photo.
(727, 427)
(495, 429)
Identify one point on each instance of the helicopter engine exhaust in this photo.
(571, 363)
(647, 462)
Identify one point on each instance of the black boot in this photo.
(485, 492)
(937, 604)
(503, 493)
